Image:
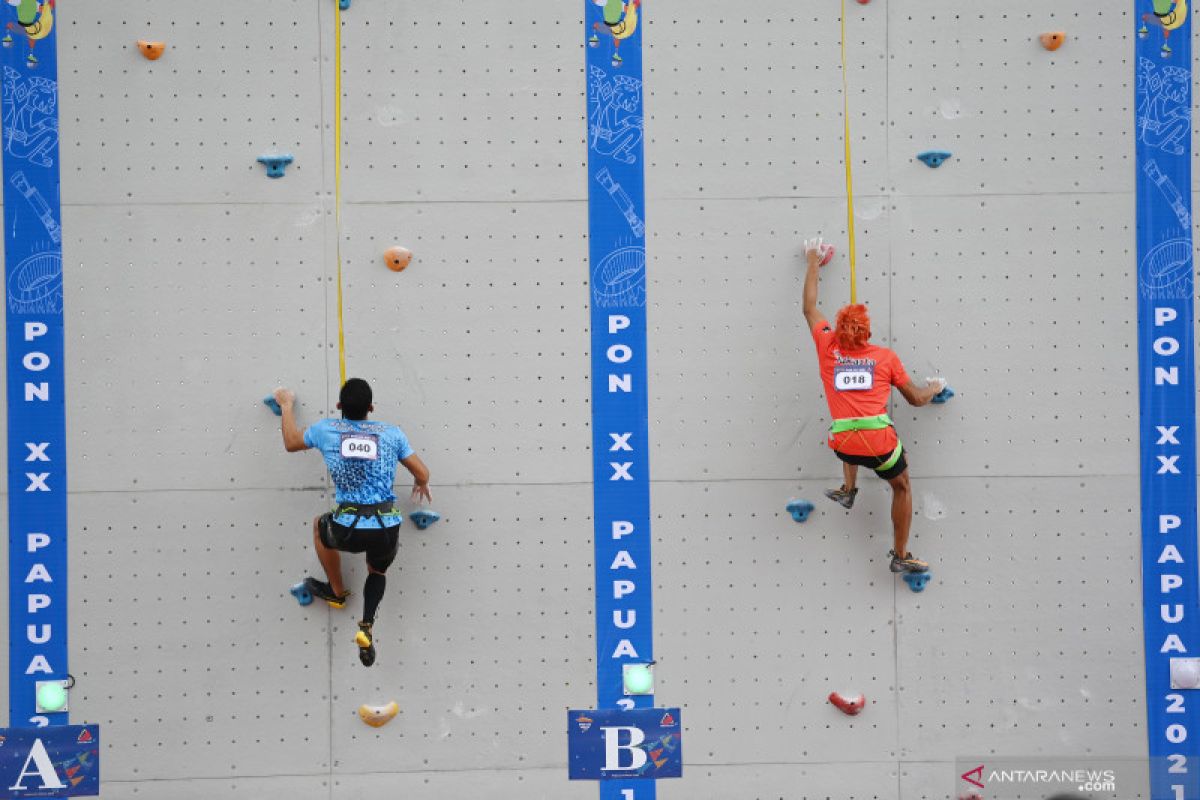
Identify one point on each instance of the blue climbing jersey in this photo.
(361, 456)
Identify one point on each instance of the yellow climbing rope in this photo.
(849, 172)
(337, 180)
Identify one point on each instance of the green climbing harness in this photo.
(876, 423)
(861, 424)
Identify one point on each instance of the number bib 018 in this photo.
(360, 446)
(853, 378)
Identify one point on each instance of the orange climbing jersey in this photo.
(858, 384)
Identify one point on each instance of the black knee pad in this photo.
(324, 533)
(381, 557)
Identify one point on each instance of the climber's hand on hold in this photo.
(285, 397)
(814, 251)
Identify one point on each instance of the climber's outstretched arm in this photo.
(813, 253)
(921, 395)
(293, 437)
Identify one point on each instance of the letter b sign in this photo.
(614, 761)
(619, 744)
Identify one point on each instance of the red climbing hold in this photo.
(826, 254)
(849, 706)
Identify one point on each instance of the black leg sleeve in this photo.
(372, 594)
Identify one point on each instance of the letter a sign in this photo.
(58, 761)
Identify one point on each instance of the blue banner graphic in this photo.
(37, 470)
(63, 761)
(620, 444)
(1166, 373)
(644, 744)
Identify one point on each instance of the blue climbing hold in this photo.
(933, 158)
(344, 4)
(917, 581)
(270, 402)
(800, 509)
(302, 594)
(275, 164)
(943, 396)
(424, 517)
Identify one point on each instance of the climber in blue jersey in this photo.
(361, 456)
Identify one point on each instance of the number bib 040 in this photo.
(853, 378)
(360, 446)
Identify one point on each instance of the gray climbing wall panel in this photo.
(195, 284)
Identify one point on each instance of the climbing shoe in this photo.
(366, 644)
(843, 496)
(324, 591)
(909, 563)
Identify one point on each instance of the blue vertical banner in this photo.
(620, 445)
(37, 470)
(1166, 372)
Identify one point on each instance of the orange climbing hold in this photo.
(397, 258)
(378, 716)
(1053, 40)
(152, 50)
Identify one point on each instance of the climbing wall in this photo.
(195, 284)
(1008, 271)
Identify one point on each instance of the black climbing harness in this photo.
(361, 510)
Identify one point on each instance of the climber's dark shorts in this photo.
(380, 544)
(873, 462)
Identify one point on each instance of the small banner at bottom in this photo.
(58, 761)
(613, 744)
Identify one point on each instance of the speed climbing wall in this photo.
(194, 284)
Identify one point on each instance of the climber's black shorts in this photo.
(873, 462)
(380, 544)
